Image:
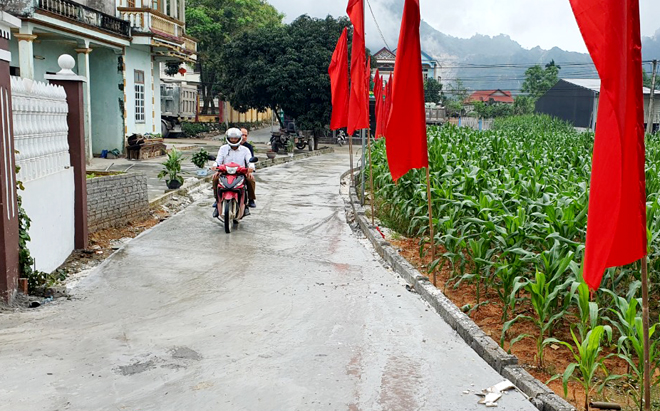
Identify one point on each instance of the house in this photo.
(385, 58)
(487, 96)
(120, 46)
(576, 101)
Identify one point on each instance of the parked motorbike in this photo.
(280, 139)
(232, 193)
(341, 138)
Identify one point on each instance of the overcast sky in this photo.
(545, 23)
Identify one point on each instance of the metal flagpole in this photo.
(371, 183)
(428, 196)
(362, 132)
(350, 151)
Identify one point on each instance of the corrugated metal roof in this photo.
(590, 84)
(594, 84)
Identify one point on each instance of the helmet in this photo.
(234, 133)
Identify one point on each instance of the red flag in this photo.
(616, 224)
(406, 129)
(338, 72)
(387, 105)
(358, 115)
(367, 74)
(378, 96)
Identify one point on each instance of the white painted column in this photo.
(182, 11)
(173, 9)
(26, 54)
(83, 70)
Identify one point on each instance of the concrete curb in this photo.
(196, 184)
(505, 364)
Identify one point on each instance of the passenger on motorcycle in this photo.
(234, 152)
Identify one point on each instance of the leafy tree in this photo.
(284, 68)
(432, 89)
(539, 80)
(492, 109)
(455, 98)
(214, 23)
(523, 105)
(647, 79)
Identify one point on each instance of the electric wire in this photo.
(377, 25)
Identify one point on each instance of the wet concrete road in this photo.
(289, 312)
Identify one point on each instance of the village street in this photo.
(292, 311)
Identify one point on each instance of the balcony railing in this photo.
(147, 20)
(85, 15)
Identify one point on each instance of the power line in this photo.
(377, 26)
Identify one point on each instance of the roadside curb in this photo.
(194, 184)
(505, 364)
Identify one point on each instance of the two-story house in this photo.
(119, 45)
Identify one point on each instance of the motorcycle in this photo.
(281, 139)
(232, 193)
(341, 138)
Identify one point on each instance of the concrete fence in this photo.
(115, 200)
(472, 122)
(39, 112)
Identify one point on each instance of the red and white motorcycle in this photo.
(232, 194)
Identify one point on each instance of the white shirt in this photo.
(240, 156)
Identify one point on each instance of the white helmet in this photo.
(234, 133)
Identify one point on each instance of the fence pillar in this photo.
(73, 86)
(26, 53)
(8, 201)
(83, 70)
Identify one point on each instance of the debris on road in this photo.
(492, 394)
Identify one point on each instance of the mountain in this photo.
(484, 62)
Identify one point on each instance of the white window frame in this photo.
(139, 97)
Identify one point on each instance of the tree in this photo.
(492, 109)
(455, 98)
(214, 23)
(432, 89)
(538, 80)
(646, 79)
(284, 68)
(523, 105)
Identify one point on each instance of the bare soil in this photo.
(488, 316)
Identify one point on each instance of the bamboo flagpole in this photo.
(428, 197)
(645, 326)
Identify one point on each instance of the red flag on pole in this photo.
(406, 128)
(378, 95)
(358, 116)
(616, 223)
(367, 74)
(387, 105)
(338, 71)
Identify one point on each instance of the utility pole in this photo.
(649, 118)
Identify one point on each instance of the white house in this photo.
(385, 63)
(120, 46)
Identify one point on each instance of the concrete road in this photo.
(289, 312)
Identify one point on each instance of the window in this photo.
(139, 96)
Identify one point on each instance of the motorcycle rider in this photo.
(234, 152)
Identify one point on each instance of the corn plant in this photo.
(588, 314)
(543, 296)
(587, 353)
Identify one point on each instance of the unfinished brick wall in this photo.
(113, 201)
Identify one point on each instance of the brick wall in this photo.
(114, 200)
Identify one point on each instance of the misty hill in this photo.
(484, 62)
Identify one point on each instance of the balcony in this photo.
(78, 13)
(167, 31)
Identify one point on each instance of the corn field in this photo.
(510, 215)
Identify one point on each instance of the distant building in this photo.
(576, 101)
(120, 46)
(385, 64)
(497, 96)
